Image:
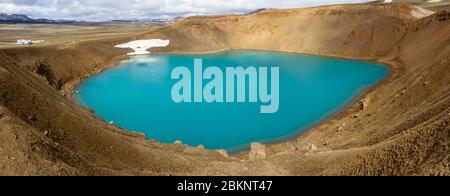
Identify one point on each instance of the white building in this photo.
(24, 42)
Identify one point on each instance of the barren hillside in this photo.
(400, 127)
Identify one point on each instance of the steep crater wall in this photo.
(403, 130)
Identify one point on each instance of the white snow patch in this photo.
(419, 12)
(433, 1)
(387, 1)
(141, 46)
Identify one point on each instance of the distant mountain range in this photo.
(148, 21)
(20, 18)
(14, 17)
(256, 11)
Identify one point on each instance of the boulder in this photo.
(340, 128)
(258, 151)
(223, 153)
(306, 146)
(178, 142)
(365, 102)
(201, 146)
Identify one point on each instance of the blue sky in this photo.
(103, 10)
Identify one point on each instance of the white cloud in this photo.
(100, 10)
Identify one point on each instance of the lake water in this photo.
(136, 96)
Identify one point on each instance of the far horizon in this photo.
(100, 11)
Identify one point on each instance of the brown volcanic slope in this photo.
(403, 128)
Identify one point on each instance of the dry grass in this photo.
(64, 34)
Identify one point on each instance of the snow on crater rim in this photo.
(141, 46)
(420, 12)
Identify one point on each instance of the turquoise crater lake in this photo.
(136, 95)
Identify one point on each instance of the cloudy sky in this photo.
(102, 10)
